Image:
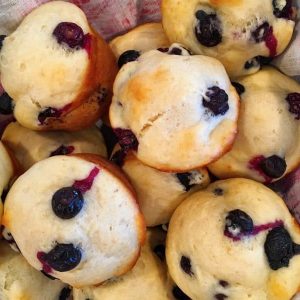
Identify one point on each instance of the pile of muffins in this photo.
(139, 169)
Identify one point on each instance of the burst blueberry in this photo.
(238, 223)
(216, 100)
(261, 32)
(62, 150)
(293, 100)
(184, 179)
(67, 202)
(62, 258)
(208, 29)
(126, 138)
(282, 9)
(279, 248)
(128, 56)
(69, 33)
(186, 266)
(48, 112)
(273, 166)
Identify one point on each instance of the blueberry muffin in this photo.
(31, 146)
(63, 69)
(19, 281)
(268, 142)
(243, 35)
(177, 112)
(83, 225)
(236, 240)
(143, 38)
(148, 280)
(159, 193)
(7, 171)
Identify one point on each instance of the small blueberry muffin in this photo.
(148, 280)
(83, 224)
(235, 240)
(242, 34)
(31, 146)
(143, 38)
(57, 69)
(177, 112)
(159, 193)
(19, 281)
(267, 146)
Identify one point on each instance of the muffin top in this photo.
(175, 115)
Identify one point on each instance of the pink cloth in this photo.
(112, 17)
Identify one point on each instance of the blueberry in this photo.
(164, 50)
(185, 264)
(127, 139)
(279, 248)
(65, 293)
(238, 222)
(261, 32)
(293, 100)
(119, 157)
(184, 179)
(70, 34)
(48, 112)
(273, 166)
(2, 37)
(63, 257)
(67, 202)
(282, 9)
(62, 150)
(220, 296)
(159, 250)
(128, 56)
(208, 29)
(179, 294)
(216, 100)
(218, 192)
(6, 104)
(223, 283)
(240, 89)
(175, 51)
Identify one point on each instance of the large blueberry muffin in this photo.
(19, 281)
(76, 219)
(235, 240)
(143, 38)
(148, 280)
(267, 146)
(57, 69)
(176, 111)
(159, 193)
(31, 146)
(242, 34)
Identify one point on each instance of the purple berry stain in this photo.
(264, 33)
(293, 100)
(255, 164)
(62, 150)
(41, 256)
(86, 184)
